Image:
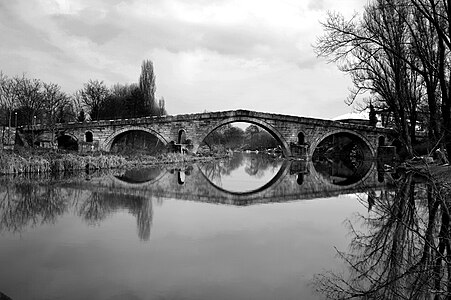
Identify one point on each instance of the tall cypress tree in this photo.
(147, 85)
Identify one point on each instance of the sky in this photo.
(208, 55)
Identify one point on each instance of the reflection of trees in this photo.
(144, 214)
(258, 164)
(255, 165)
(342, 159)
(98, 206)
(94, 209)
(30, 205)
(405, 252)
(27, 204)
(215, 170)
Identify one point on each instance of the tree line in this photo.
(398, 55)
(231, 137)
(30, 101)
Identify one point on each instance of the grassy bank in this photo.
(21, 162)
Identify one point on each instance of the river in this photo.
(252, 227)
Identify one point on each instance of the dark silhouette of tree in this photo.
(162, 107)
(438, 15)
(30, 98)
(124, 101)
(147, 85)
(399, 52)
(81, 116)
(93, 96)
(372, 116)
(8, 98)
(55, 101)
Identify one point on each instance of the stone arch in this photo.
(317, 141)
(271, 130)
(62, 141)
(106, 146)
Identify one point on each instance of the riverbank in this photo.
(22, 162)
(435, 171)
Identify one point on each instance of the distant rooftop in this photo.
(353, 116)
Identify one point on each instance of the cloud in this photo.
(207, 53)
(80, 25)
(316, 5)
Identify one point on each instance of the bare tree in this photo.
(8, 102)
(8, 96)
(30, 97)
(374, 52)
(438, 14)
(54, 102)
(92, 96)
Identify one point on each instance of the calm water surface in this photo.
(249, 228)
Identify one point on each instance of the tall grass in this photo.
(15, 163)
(23, 162)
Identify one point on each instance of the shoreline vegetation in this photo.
(26, 162)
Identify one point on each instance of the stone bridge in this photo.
(294, 134)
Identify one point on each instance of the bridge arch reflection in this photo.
(144, 176)
(281, 173)
(295, 180)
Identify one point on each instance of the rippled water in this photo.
(248, 228)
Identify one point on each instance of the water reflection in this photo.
(27, 204)
(76, 231)
(140, 175)
(245, 179)
(244, 172)
(401, 249)
(342, 159)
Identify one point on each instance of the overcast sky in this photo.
(208, 55)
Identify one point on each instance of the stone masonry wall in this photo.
(197, 126)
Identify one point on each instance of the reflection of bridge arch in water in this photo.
(342, 157)
(283, 171)
(130, 183)
(320, 178)
(284, 187)
(284, 181)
